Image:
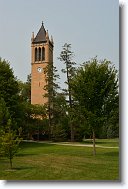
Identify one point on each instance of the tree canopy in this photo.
(95, 89)
(9, 90)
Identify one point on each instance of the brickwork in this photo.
(37, 66)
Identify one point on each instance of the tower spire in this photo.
(40, 37)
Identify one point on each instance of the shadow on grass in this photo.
(35, 144)
(19, 169)
(32, 148)
(25, 154)
(23, 168)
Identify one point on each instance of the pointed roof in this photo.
(41, 35)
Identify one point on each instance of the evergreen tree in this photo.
(66, 56)
(51, 88)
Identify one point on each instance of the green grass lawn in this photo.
(41, 161)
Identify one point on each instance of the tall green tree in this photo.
(51, 87)
(95, 88)
(66, 56)
(9, 90)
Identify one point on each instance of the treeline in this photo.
(87, 108)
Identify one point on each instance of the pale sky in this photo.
(91, 26)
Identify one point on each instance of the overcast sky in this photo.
(91, 26)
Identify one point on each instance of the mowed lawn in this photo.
(42, 161)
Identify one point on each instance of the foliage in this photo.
(51, 88)
(66, 56)
(9, 142)
(9, 91)
(61, 130)
(34, 120)
(25, 89)
(4, 113)
(95, 88)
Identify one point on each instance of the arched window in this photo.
(43, 53)
(36, 54)
(39, 54)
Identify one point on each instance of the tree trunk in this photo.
(10, 163)
(70, 104)
(94, 147)
(72, 132)
(49, 120)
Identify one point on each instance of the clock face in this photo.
(39, 69)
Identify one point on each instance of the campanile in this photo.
(41, 55)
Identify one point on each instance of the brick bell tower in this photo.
(41, 55)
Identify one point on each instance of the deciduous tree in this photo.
(9, 90)
(95, 88)
(9, 142)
